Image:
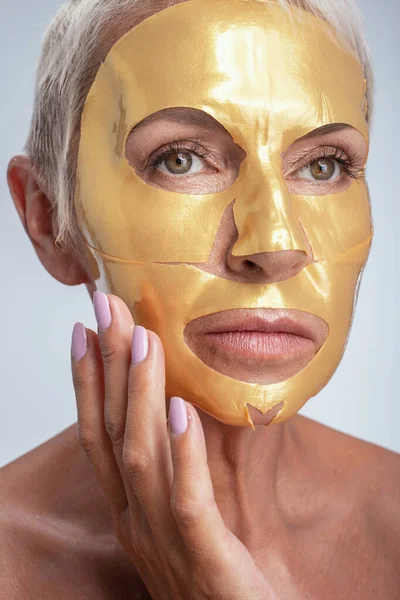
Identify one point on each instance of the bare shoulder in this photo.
(359, 452)
(381, 486)
(371, 473)
(56, 530)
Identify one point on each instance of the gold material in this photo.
(269, 76)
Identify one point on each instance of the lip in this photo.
(262, 320)
(261, 324)
(261, 337)
(258, 345)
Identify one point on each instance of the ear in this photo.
(35, 211)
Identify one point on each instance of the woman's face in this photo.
(221, 196)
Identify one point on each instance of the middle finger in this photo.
(115, 328)
(135, 412)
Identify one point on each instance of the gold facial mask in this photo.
(269, 76)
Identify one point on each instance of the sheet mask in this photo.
(269, 76)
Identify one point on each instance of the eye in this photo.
(322, 169)
(180, 163)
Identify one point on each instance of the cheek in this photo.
(336, 223)
(127, 219)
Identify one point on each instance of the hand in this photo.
(158, 484)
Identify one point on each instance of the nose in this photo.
(268, 267)
(271, 244)
(265, 213)
(260, 267)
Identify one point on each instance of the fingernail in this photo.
(140, 344)
(178, 415)
(79, 341)
(102, 311)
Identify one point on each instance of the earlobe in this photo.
(36, 213)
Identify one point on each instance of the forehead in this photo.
(245, 62)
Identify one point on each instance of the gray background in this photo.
(37, 313)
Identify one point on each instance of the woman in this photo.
(206, 164)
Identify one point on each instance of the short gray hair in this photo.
(76, 42)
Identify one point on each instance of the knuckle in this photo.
(80, 383)
(187, 513)
(109, 353)
(87, 441)
(115, 427)
(112, 350)
(136, 463)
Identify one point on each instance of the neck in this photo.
(248, 469)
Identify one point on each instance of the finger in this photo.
(119, 349)
(192, 497)
(146, 423)
(115, 328)
(146, 453)
(88, 378)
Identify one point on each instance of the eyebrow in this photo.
(326, 129)
(195, 116)
(181, 116)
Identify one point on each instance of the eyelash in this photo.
(175, 148)
(351, 164)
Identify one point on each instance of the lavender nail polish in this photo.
(178, 415)
(79, 342)
(102, 311)
(140, 344)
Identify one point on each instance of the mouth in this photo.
(257, 345)
(261, 337)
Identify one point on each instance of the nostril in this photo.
(254, 268)
(267, 267)
(251, 265)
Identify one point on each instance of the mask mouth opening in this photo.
(259, 346)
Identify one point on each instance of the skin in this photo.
(117, 503)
